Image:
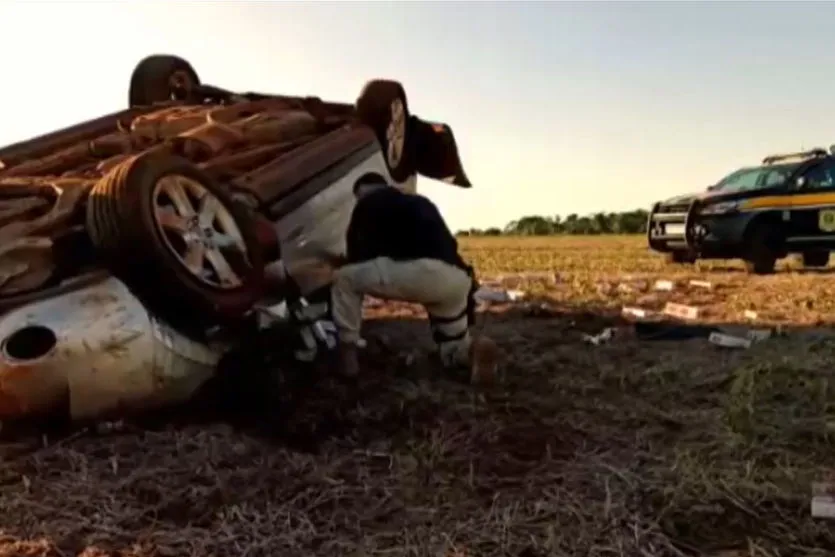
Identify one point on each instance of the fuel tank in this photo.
(97, 349)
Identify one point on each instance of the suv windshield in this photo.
(746, 179)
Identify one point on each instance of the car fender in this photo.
(107, 355)
(738, 226)
(756, 219)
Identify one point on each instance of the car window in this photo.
(774, 178)
(748, 179)
(820, 176)
(742, 180)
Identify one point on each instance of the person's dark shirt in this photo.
(389, 223)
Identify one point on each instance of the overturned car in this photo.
(134, 247)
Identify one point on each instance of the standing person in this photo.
(398, 247)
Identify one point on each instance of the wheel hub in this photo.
(396, 132)
(201, 235)
(179, 85)
(199, 231)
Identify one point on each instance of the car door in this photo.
(436, 153)
(813, 207)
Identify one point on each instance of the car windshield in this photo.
(746, 179)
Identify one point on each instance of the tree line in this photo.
(628, 222)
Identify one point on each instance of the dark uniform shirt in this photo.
(389, 223)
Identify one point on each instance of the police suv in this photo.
(759, 214)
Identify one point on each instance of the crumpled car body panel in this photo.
(109, 354)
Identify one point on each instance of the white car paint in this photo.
(319, 225)
(109, 354)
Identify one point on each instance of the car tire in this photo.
(816, 258)
(680, 257)
(762, 250)
(173, 263)
(382, 105)
(159, 78)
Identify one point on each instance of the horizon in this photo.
(557, 108)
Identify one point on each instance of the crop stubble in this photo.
(630, 448)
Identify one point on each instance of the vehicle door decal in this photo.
(826, 220)
(802, 200)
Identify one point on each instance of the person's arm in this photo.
(358, 241)
(352, 235)
(351, 245)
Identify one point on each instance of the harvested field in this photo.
(631, 448)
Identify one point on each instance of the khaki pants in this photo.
(441, 288)
(309, 274)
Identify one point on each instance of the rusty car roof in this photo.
(265, 146)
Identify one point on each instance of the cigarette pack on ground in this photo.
(640, 313)
(681, 311)
(515, 295)
(665, 285)
(729, 341)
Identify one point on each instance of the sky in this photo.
(557, 107)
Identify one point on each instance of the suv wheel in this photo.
(382, 106)
(177, 240)
(681, 257)
(762, 250)
(159, 78)
(816, 258)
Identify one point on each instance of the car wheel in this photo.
(177, 240)
(160, 78)
(817, 258)
(762, 249)
(681, 257)
(382, 105)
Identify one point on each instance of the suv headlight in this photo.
(721, 208)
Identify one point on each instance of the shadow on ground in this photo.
(628, 448)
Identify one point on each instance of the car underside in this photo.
(133, 247)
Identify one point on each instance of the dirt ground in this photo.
(632, 448)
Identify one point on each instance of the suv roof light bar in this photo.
(812, 153)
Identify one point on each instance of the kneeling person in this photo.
(399, 248)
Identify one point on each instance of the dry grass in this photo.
(629, 449)
(790, 296)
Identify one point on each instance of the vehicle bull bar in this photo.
(653, 243)
(690, 239)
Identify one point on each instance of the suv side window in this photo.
(774, 178)
(820, 176)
